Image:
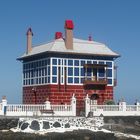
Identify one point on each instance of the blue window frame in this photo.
(76, 62)
(76, 71)
(70, 80)
(70, 71)
(54, 70)
(54, 61)
(109, 64)
(109, 72)
(54, 79)
(70, 62)
(101, 72)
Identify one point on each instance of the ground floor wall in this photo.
(63, 94)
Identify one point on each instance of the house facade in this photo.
(67, 66)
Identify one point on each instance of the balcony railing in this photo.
(95, 81)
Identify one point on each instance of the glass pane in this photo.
(82, 63)
(82, 71)
(76, 80)
(89, 71)
(54, 70)
(54, 61)
(109, 64)
(70, 80)
(101, 72)
(109, 81)
(100, 62)
(54, 79)
(109, 72)
(76, 62)
(76, 71)
(70, 62)
(70, 71)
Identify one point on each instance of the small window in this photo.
(94, 62)
(70, 80)
(54, 61)
(54, 70)
(48, 61)
(109, 72)
(54, 79)
(101, 72)
(59, 61)
(82, 63)
(109, 81)
(76, 71)
(76, 62)
(48, 79)
(70, 62)
(70, 71)
(101, 62)
(82, 72)
(48, 70)
(88, 62)
(109, 64)
(45, 79)
(89, 71)
(76, 80)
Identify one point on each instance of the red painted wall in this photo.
(57, 95)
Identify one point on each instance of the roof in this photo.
(79, 47)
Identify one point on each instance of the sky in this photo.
(113, 22)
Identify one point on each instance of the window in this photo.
(109, 72)
(54, 70)
(70, 80)
(101, 72)
(109, 81)
(54, 79)
(70, 62)
(70, 71)
(76, 80)
(82, 63)
(82, 71)
(94, 62)
(76, 62)
(100, 62)
(109, 64)
(76, 71)
(54, 61)
(89, 71)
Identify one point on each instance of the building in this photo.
(65, 66)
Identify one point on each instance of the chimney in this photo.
(69, 34)
(29, 40)
(58, 35)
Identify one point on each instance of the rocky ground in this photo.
(75, 135)
(129, 125)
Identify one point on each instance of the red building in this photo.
(65, 66)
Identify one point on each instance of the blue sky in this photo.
(113, 22)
